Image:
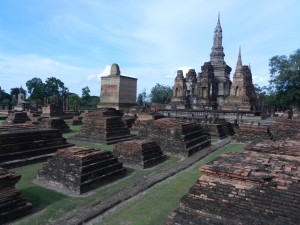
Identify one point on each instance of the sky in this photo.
(77, 41)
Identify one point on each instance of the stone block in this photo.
(176, 137)
(23, 144)
(104, 126)
(16, 118)
(80, 169)
(243, 188)
(55, 123)
(139, 153)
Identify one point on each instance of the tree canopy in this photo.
(285, 80)
(36, 89)
(142, 98)
(161, 94)
(14, 92)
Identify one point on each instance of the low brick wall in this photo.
(243, 188)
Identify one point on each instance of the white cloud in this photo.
(97, 77)
(150, 38)
(105, 72)
(18, 69)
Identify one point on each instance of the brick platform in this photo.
(81, 169)
(176, 137)
(284, 128)
(139, 153)
(55, 123)
(16, 118)
(248, 133)
(104, 126)
(76, 121)
(12, 204)
(278, 147)
(220, 129)
(243, 188)
(21, 145)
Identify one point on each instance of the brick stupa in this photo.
(80, 169)
(56, 123)
(12, 204)
(24, 144)
(176, 137)
(16, 118)
(139, 153)
(104, 126)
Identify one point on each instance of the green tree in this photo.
(161, 94)
(86, 94)
(85, 97)
(5, 98)
(94, 101)
(14, 92)
(54, 87)
(142, 98)
(73, 101)
(268, 96)
(36, 89)
(285, 79)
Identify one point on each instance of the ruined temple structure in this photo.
(220, 128)
(104, 126)
(179, 99)
(243, 188)
(247, 133)
(80, 169)
(139, 153)
(284, 128)
(21, 145)
(210, 88)
(117, 91)
(52, 110)
(176, 137)
(275, 147)
(16, 118)
(12, 204)
(22, 105)
(242, 94)
(76, 121)
(55, 123)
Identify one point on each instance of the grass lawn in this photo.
(154, 206)
(52, 204)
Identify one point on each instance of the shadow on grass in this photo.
(41, 197)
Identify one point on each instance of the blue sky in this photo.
(77, 41)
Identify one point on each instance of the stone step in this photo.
(197, 147)
(30, 160)
(192, 135)
(21, 154)
(105, 179)
(196, 141)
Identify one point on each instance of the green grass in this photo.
(156, 204)
(52, 205)
(150, 208)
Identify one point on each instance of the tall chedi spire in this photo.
(239, 65)
(217, 51)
